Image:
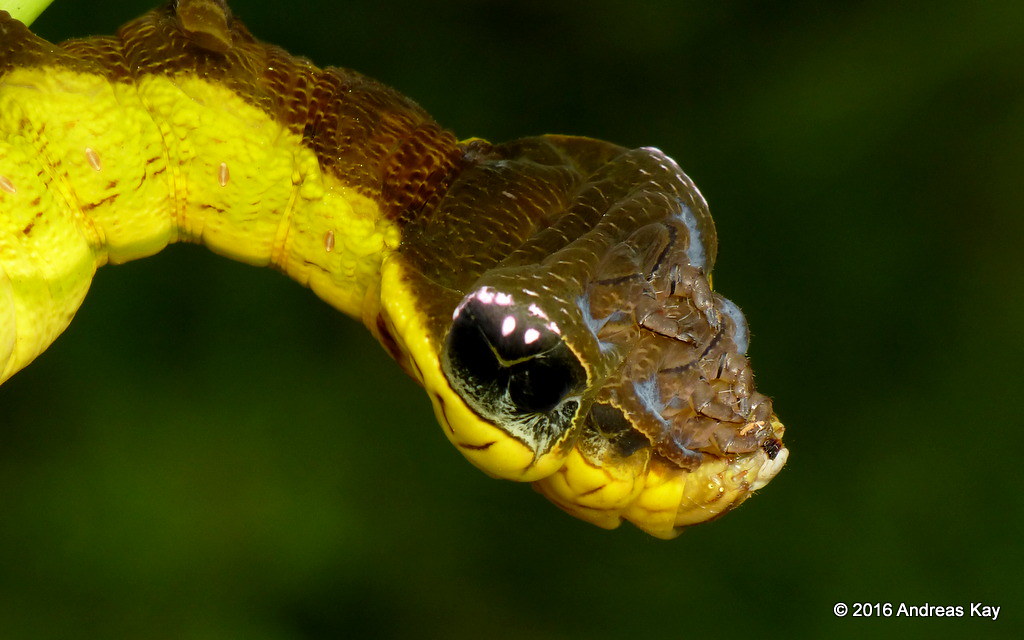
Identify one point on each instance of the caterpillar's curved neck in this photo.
(111, 148)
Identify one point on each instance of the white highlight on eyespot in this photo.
(7, 185)
(537, 311)
(485, 296)
(223, 175)
(530, 336)
(329, 241)
(93, 159)
(488, 295)
(508, 325)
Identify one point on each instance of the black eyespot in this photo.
(468, 348)
(503, 354)
(540, 383)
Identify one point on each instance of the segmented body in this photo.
(184, 128)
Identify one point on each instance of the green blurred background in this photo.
(211, 452)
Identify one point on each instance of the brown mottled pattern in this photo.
(22, 48)
(373, 137)
(592, 232)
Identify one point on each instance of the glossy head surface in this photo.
(578, 324)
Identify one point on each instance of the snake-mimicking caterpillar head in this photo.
(572, 338)
(552, 294)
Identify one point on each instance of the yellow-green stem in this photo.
(25, 10)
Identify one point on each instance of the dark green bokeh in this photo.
(210, 452)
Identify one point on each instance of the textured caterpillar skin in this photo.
(115, 147)
(183, 127)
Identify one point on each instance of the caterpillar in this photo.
(551, 294)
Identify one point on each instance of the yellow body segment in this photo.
(653, 494)
(47, 250)
(104, 153)
(597, 493)
(93, 171)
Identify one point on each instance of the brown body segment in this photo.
(376, 138)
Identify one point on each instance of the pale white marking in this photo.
(486, 295)
(508, 325)
(741, 336)
(93, 159)
(769, 468)
(537, 311)
(554, 328)
(223, 176)
(695, 252)
(7, 185)
(328, 240)
(530, 336)
(649, 395)
(595, 324)
(508, 195)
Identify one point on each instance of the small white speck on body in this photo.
(93, 159)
